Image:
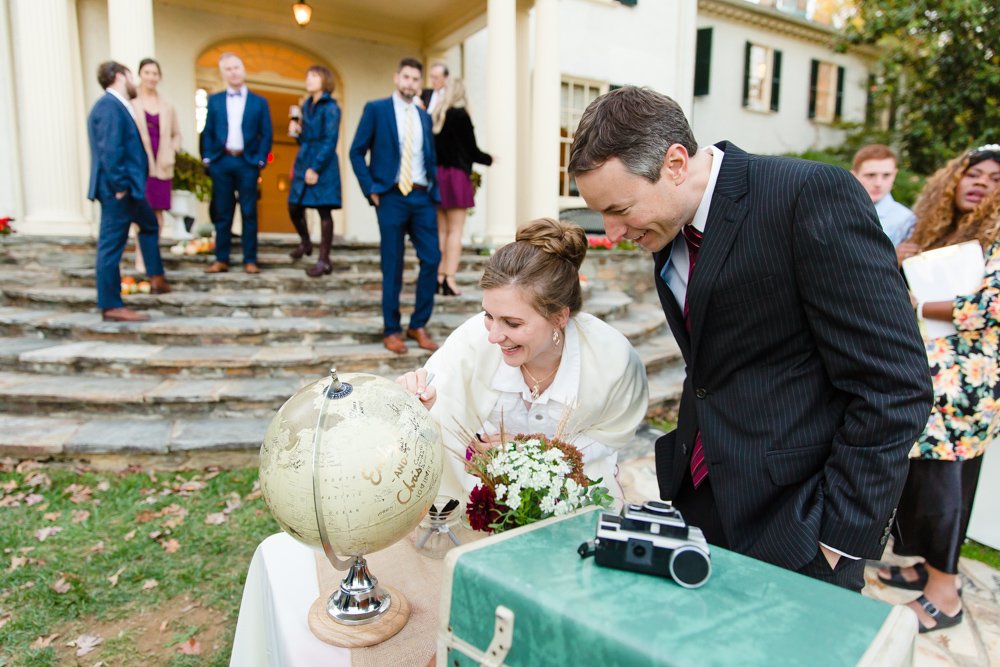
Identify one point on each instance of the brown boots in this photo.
(322, 265)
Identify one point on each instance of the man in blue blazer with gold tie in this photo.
(400, 181)
(806, 378)
(234, 147)
(118, 171)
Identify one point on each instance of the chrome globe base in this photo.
(359, 599)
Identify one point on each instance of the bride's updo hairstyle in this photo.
(544, 260)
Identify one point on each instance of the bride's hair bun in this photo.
(561, 239)
(545, 260)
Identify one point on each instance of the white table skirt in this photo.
(272, 629)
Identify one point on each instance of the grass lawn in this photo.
(134, 568)
(153, 564)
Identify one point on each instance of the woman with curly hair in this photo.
(961, 202)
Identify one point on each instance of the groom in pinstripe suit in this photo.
(807, 381)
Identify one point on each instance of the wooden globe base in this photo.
(356, 636)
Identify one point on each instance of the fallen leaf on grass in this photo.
(9, 485)
(150, 584)
(185, 609)
(216, 518)
(79, 516)
(155, 534)
(114, 577)
(129, 535)
(191, 486)
(4, 618)
(97, 548)
(38, 479)
(78, 493)
(44, 533)
(16, 562)
(103, 485)
(52, 516)
(171, 546)
(85, 644)
(190, 647)
(33, 499)
(163, 626)
(61, 586)
(43, 642)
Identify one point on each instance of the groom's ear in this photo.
(675, 164)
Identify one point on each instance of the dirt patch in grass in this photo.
(149, 636)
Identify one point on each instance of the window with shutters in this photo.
(761, 77)
(576, 95)
(826, 91)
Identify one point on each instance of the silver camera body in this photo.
(653, 538)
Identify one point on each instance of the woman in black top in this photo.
(455, 142)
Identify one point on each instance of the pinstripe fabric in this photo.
(806, 375)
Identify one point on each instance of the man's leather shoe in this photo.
(123, 314)
(423, 340)
(394, 343)
(250, 267)
(158, 285)
(217, 267)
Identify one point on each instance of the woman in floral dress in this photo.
(961, 202)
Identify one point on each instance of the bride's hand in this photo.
(415, 383)
(482, 443)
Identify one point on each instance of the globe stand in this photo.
(360, 612)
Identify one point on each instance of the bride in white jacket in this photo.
(534, 361)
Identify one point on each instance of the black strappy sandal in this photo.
(943, 620)
(896, 579)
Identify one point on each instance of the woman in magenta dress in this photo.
(455, 144)
(161, 136)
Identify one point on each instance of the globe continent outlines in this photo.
(379, 463)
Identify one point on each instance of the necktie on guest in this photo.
(693, 239)
(406, 162)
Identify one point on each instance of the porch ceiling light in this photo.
(302, 13)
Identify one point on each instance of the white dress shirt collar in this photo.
(121, 98)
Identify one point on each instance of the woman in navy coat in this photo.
(316, 174)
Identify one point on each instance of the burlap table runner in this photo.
(419, 579)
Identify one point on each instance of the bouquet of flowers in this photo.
(5, 226)
(526, 479)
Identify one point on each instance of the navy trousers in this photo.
(116, 216)
(416, 215)
(231, 175)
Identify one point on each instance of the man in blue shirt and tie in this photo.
(235, 144)
(400, 181)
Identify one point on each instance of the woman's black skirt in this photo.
(934, 511)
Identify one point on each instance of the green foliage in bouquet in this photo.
(527, 479)
(190, 175)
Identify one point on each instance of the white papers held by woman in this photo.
(943, 274)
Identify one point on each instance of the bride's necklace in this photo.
(536, 387)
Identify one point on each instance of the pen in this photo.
(427, 383)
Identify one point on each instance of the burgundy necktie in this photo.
(693, 238)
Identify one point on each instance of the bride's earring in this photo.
(556, 338)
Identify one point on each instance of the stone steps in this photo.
(637, 323)
(224, 351)
(349, 260)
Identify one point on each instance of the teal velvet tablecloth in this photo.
(571, 611)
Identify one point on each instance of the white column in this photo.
(130, 32)
(546, 81)
(10, 180)
(501, 74)
(49, 131)
(525, 154)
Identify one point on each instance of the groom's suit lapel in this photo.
(725, 217)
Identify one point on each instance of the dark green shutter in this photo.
(776, 80)
(746, 75)
(813, 82)
(702, 61)
(870, 101)
(840, 94)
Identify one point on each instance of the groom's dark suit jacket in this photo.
(806, 373)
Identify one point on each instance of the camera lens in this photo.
(639, 551)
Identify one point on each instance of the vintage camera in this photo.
(651, 538)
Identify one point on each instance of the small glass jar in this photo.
(436, 533)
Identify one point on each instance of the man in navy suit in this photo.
(118, 171)
(400, 181)
(807, 381)
(234, 146)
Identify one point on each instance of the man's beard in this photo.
(131, 91)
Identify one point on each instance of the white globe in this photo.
(380, 461)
